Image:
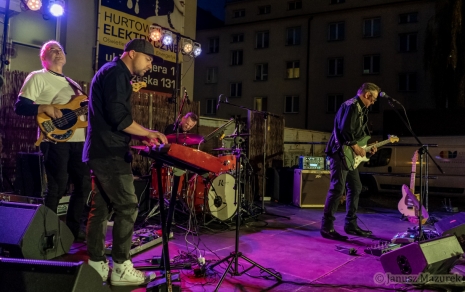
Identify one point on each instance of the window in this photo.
(408, 17)
(337, 1)
(293, 36)
(235, 89)
(261, 104)
(292, 69)
(261, 72)
(408, 42)
(237, 38)
(236, 57)
(262, 40)
(335, 67)
(238, 13)
(211, 106)
(372, 28)
(213, 45)
(294, 5)
(334, 102)
(336, 31)
(212, 75)
(371, 64)
(264, 9)
(291, 104)
(408, 82)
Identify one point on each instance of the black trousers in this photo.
(341, 180)
(63, 163)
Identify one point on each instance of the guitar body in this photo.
(403, 204)
(62, 129)
(352, 159)
(416, 204)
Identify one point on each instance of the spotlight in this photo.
(197, 49)
(34, 5)
(155, 33)
(187, 46)
(56, 7)
(167, 37)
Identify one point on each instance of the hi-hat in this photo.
(187, 139)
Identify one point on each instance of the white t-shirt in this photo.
(43, 87)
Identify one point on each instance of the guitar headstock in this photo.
(393, 138)
(415, 157)
(138, 86)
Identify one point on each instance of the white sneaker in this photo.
(101, 267)
(125, 275)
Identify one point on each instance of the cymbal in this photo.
(188, 139)
(223, 149)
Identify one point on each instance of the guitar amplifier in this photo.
(310, 187)
(311, 162)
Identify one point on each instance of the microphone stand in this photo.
(265, 116)
(421, 151)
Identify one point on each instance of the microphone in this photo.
(222, 136)
(187, 96)
(383, 94)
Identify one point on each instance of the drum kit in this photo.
(208, 194)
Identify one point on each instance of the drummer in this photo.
(188, 121)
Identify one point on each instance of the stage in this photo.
(293, 248)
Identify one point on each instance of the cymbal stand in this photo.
(236, 254)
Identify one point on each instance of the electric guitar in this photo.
(353, 160)
(409, 203)
(62, 129)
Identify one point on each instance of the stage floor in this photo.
(293, 248)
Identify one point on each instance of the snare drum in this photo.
(221, 197)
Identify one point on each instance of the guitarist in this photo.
(350, 125)
(40, 91)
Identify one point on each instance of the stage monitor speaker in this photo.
(310, 187)
(48, 276)
(453, 225)
(435, 256)
(32, 232)
(30, 174)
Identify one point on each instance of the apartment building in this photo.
(302, 58)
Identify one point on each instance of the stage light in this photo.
(187, 46)
(155, 33)
(34, 5)
(167, 38)
(56, 7)
(197, 49)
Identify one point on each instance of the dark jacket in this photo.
(350, 125)
(109, 112)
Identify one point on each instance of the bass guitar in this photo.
(352, 160)
(409, 204)
(62, 129)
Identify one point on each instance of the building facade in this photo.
(302, 59)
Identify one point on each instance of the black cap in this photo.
(140, 45)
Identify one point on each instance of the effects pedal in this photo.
(381, 248)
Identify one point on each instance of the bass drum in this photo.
(221, 197)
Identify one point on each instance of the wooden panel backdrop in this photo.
(19, 133)
(274, 144)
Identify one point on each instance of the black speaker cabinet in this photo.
(435, 256)
(453, 225)
(48, 276)
(32, 232)
(30, 174)
(310, 187)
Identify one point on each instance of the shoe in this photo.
(125, 275)
(357, 231)
(101, 267)
(332, 234)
